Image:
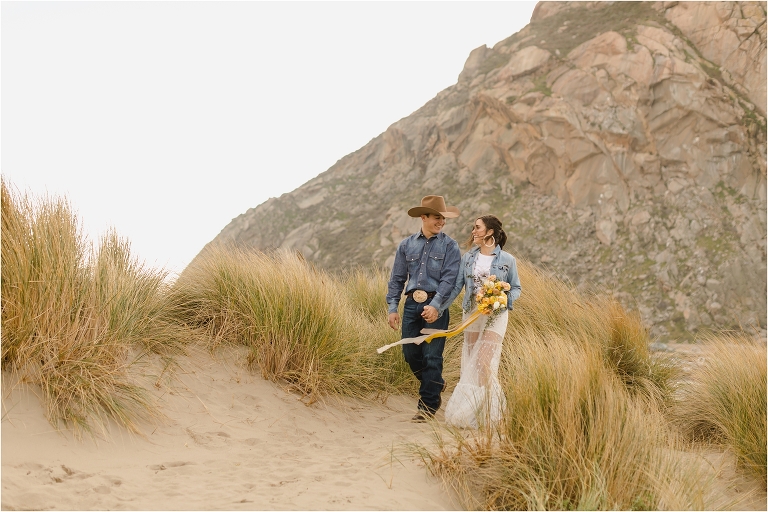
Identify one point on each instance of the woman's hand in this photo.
(429, 314)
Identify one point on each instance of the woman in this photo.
(478, 397)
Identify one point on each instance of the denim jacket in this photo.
(430, 265)
(503, 266)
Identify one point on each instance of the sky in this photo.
(166, 120)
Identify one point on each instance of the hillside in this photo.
(623, 145)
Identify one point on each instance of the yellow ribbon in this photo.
(430, 334)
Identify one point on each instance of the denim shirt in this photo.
(503, 266)
(430, 265)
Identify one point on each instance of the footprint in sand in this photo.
(62, 473)
(30, 466)
(211, 440)
(166, 465)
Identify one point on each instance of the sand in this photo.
(231, 441)
(234, 441)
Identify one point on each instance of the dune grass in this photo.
(75, 320)
(588, 406)
(584, 426)
(550, 306)
(724, 399)
(572, 438)
(302, 325)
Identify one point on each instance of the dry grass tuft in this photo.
(72, 318)
(314, 330)
(550, 306)
(724, 400)
(572, 438)
(583, 428)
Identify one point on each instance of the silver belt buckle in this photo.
(420, 296)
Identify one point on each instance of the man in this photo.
(429, 262)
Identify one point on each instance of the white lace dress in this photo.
(478, 397)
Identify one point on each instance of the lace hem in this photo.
(471, 405)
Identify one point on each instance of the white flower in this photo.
(496, 305)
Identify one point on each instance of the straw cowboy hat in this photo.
(434, 205)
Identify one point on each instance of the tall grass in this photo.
(550, 306)
(724, 400)
(74, 320)
(572, 438)
(584, 425)
(364, 294)
(314, 330)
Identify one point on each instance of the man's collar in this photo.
(421, 233)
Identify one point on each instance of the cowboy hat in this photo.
(434, 205)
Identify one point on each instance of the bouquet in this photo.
(490, 296)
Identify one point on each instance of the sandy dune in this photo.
(231, 441)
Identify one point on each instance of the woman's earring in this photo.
(493, 244)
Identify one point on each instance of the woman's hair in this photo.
(491, 223)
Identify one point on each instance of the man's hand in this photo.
(394, 320)
(430, 314)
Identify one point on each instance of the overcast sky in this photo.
(165, 120)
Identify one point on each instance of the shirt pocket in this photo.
(412, 262)
(435, 264)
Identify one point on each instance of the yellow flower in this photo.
(491, 296)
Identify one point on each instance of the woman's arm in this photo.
(514, 283)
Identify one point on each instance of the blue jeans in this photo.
(426, 359)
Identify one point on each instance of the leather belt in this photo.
(420, 295)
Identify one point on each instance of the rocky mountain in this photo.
(623, 144)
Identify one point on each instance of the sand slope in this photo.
(232, 441)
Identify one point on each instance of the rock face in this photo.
(622, 144)
(732, 36)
